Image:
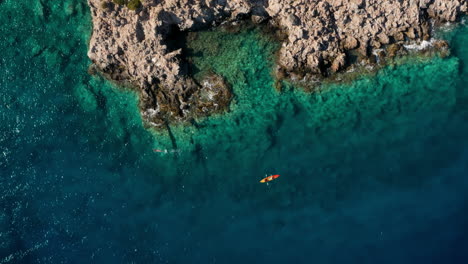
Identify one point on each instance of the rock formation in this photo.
(143, 46)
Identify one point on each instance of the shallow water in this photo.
(372, 171)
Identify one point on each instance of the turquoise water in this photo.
(374, 171)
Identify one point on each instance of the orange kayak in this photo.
(269, 178)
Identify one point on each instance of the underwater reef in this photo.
(142, 44)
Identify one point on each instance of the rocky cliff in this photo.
(142, 46)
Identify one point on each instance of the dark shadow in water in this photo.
(171, 135)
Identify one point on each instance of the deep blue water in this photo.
(374, 171)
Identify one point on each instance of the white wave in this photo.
(420, 46)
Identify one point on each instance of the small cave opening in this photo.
(176, 39)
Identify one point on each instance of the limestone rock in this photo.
(350, 43)
(339, 62)
(393, 49)
(141, 46)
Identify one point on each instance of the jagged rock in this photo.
(442, 47)
(383, 38)
(447, 10)
(393, 49)
(280, 73)
(411, 33)
(399, 36)
(350, 43)
(441, 44)
(142, 46)
(339, 62)
(381, 56)
(364, 47)
(258, 19)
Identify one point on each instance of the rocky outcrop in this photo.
(145, 47)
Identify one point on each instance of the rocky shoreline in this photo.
(143, 46)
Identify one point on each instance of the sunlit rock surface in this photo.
(146, 47)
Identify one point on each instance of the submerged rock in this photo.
(145, 46)
(393, 49)
(339, 62)
(214, 96)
